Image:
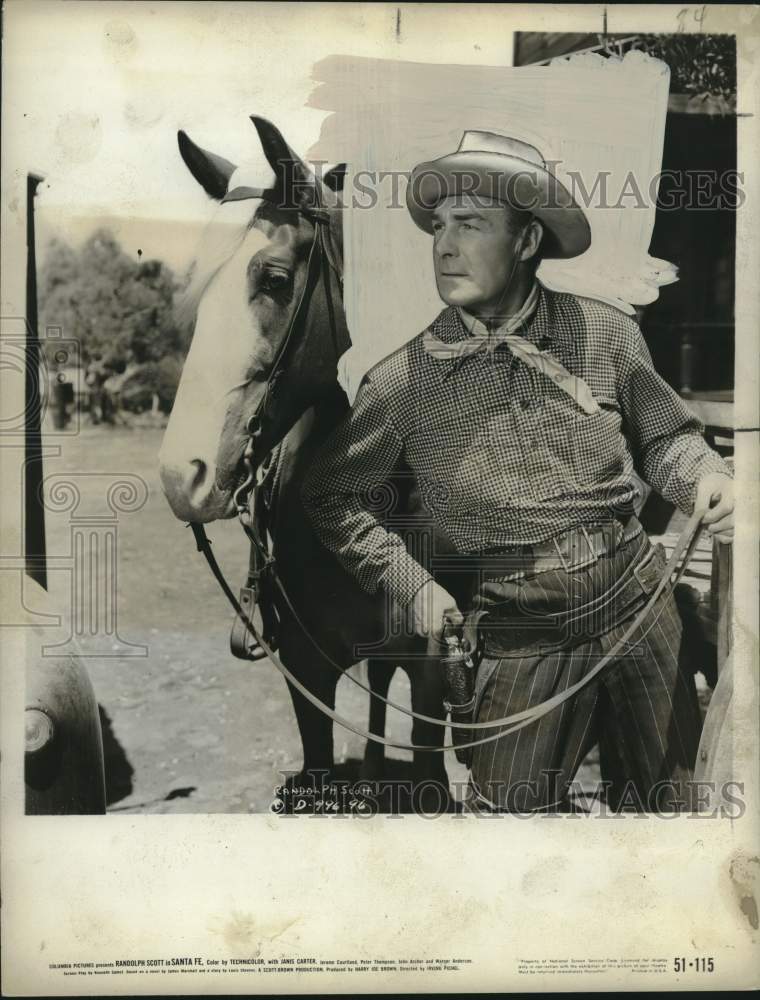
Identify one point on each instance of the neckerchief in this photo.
(483, 339)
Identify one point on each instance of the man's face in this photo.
(473, 253)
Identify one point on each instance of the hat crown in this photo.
(494, 142)
(511, 171)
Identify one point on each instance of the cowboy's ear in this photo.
(211, 171)
(295, 184)
(531, 239)
(335, 178)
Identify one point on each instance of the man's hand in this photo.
(715, 498)
(430, 605)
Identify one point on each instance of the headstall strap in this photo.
(320, 259)
(243, 193)
(249, 499)
(320, 215)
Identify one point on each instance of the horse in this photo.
(269, 330)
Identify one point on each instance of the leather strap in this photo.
(256, 595)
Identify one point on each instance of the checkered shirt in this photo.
(502, 455)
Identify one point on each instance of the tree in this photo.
(148, 300)
(153, 378)
(58, 282)
(114, 306)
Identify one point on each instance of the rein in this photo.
(263, 565)
(685, 546)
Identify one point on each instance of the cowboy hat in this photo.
(499, 167)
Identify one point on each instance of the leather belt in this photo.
(569, 551)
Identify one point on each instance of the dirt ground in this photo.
(188, 727)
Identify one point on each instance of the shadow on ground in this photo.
(119, 771)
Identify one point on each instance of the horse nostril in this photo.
(198, 476)
(200, 479)
(189, 483)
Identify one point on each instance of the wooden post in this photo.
(720, 596)
(34, 509)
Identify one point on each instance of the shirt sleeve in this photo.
(348, 478)
(665, 436)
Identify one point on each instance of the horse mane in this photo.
(222, 236)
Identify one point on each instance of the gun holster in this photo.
(460, 665)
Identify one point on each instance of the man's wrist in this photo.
(712, 465)
(404, 578)
(714, 474)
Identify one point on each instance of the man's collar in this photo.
(542, 329)
(517, 323)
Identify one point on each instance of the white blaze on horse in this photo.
(259, 387)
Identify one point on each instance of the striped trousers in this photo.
(542, 634)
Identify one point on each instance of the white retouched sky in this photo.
(95, 93)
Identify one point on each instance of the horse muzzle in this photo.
(193, 493)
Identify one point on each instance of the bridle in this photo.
(321, 260)
(263, 568)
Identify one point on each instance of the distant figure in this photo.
(118, 374)
(61, 397)
(95, 377)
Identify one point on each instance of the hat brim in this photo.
(510, 179)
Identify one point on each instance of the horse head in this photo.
(269, 327)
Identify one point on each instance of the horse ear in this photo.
(211, 171)
(295, 183)
(335, 177)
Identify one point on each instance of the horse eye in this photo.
(275, 280)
